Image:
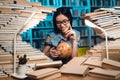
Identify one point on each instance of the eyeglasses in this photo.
(62, 22)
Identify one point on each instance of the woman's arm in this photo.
(72, 35)
(74, 49)
(49, 50)
(47, 47)
(75, 46)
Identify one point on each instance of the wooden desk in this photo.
(63, 77)
(77, 77)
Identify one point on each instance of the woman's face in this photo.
(62, 23)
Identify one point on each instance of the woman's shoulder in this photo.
(54, 35)
(51, 34)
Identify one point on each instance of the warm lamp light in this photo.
(90, 24)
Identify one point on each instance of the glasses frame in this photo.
(62, 22)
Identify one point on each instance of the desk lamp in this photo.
(90, 24)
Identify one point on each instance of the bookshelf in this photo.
(95, 4)
(36, 36)
(117, 2)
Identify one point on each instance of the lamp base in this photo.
(15, 75)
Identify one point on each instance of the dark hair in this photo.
(64, 11)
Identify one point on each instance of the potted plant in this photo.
(22, 59)
(22, 65)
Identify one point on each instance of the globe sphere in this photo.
(65, 49)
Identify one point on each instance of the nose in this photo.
(62, 25)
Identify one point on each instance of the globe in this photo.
(65, 49)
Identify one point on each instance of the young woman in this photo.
(63, 32)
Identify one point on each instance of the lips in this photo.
(64, 30)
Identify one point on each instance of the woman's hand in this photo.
(54, 52)
(70, 34)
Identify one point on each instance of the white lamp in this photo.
(90, 24)
(14, 64)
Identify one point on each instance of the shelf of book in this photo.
(117, 2)
(78, 8)
(95, 4)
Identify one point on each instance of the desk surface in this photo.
(64, 77)
(78, 77)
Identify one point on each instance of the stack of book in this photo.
(110, 64)
(105, 74)
(108, 19)
(75, 67)
(16, 17)
(45, 74)
(105, 69)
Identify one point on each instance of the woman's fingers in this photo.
(70, 27)
(70, 34)
(54, 53)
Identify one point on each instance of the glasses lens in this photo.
(62, 22)
(65, 21)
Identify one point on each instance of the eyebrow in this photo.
(62, 20)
